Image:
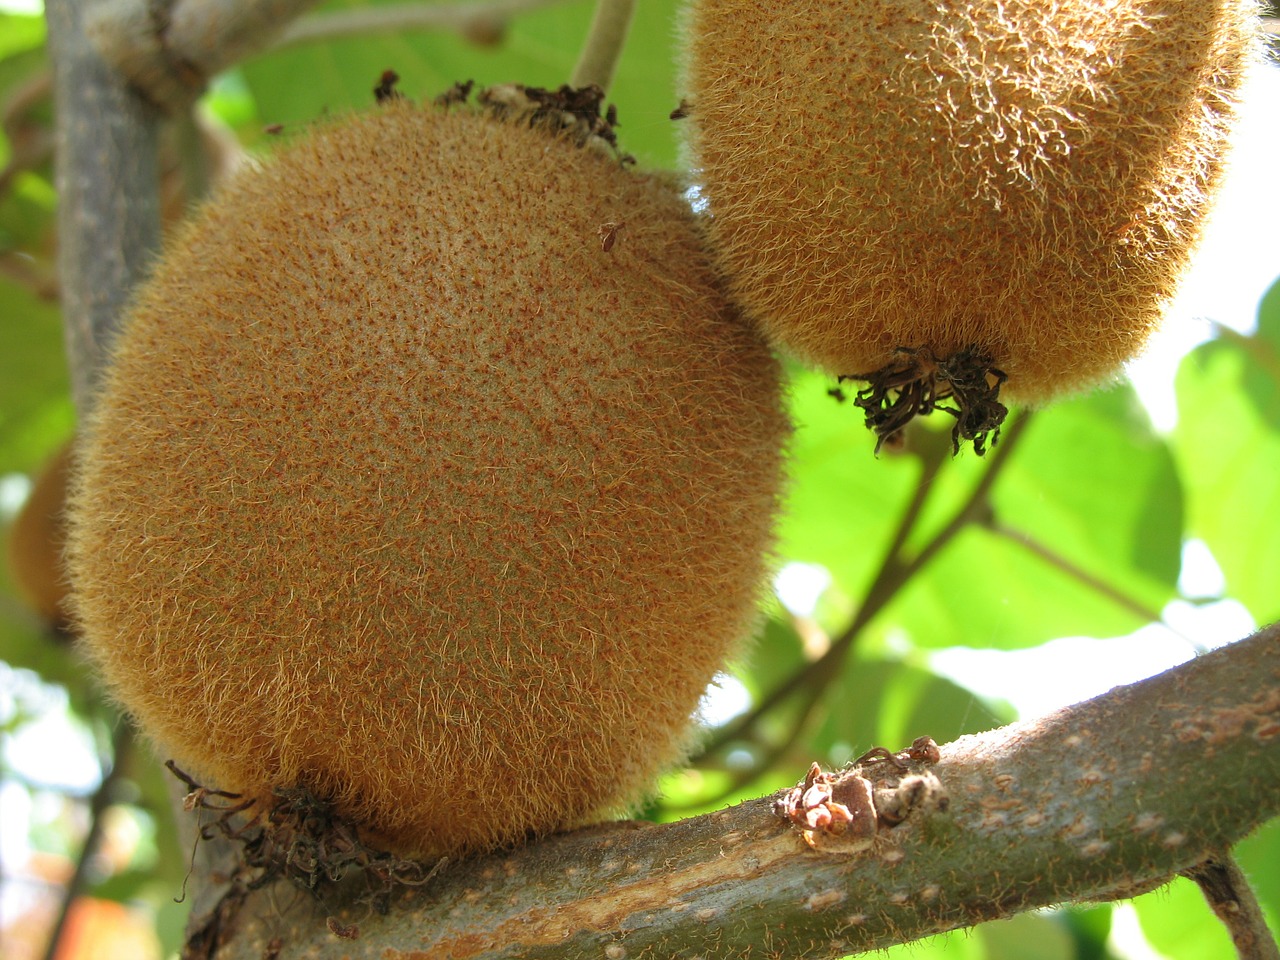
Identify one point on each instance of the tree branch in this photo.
(1227, 890)
(102, 798)
(170, 49)
(106, 178)
(1090, 803)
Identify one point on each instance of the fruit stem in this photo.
(604, 44)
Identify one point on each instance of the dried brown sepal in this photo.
(386, 87)
(294, 835)
(834, 812)
(847, 810)
(459, 93)
(609, 234)
(915, 383)
(922, 750)
(343, 931)
(573, 110)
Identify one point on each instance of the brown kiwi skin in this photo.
(37, 542)
(402, 490)
(1020, 180)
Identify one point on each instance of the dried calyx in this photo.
(576, 111)
(297, 837)
(915, 383)
(848, 811)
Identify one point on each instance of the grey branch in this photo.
(106, 178)
(1098, 801)
(1227, 891)
(170, 49)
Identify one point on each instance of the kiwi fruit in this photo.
(37, 540)
(941, 198)
(404, 491)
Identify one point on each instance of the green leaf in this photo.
(944, 710)
(1027, 936)
(957, 945)
(1269, 315)
(1177, 922)
(1093, 482)
(844, 503)
(779, 652)
(540, 49)
(34, 401)
(1089, 927)
(853, 710)
(889, 703)
(1228, 450)
(20, 33)
(1262, 378)
(1084, 535)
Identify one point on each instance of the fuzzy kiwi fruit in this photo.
(37, 541)
(403, 490)
(936, 196)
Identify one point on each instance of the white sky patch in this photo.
(800, 585)
(14, 490)
(1126, 940)
(724, 699)
(1210, 625)
(1039, 680)
(1200, 575)
(1067, 670)
(55, 753)
(1061, 672)
(1238, 259)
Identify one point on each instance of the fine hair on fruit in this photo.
(945, 200)
(402, 490)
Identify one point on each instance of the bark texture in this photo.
(107, 182)
(1098, 801)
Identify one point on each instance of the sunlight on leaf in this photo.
(1228, 449)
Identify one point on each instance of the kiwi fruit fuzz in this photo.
(402, 490)
(942, 198)
(37, 541)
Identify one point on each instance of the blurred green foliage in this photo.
(1076, 526)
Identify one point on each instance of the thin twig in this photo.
(169, 49)
(1084, 577)
(1227, 889)
(604, 43)
(102, 798)
(893, 575)
(400, 18)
